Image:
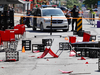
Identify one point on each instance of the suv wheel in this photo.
(41, 27)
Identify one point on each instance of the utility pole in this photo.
(59, 3)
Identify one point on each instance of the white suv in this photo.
(43, 21)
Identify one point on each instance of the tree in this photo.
(89, 2)
(70, 3)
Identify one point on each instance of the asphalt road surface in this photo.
(29, 64)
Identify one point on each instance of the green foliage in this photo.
(90, 9)
(89, 2)
(70, 3)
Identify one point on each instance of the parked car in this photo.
(48, 6)
(59, 21)
(63, 9)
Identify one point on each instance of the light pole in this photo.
(56, 2)
(59, 3)
(66, 3)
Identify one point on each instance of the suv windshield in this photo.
(53, 12)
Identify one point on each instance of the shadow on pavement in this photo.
(46, 31)
(97, 70)
(49, 57)
(2, 50)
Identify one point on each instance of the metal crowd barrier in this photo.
(90, 17)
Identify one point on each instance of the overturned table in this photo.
(85, 44)
(89, 49)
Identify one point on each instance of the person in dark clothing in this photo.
(28, 20)
(75, 13)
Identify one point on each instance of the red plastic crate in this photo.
(21, 29)
(0, 41)
(5, 35)
(72, 39)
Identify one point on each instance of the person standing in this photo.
(28, 20)
(68, 15)
(75, 13)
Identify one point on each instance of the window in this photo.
(53, 12)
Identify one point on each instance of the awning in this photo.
(13, 2)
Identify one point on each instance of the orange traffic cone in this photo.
(23, 50)
(93, 41)
(66, 38)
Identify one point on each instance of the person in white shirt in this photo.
(68, 15)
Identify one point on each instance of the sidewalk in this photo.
(50, 66)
